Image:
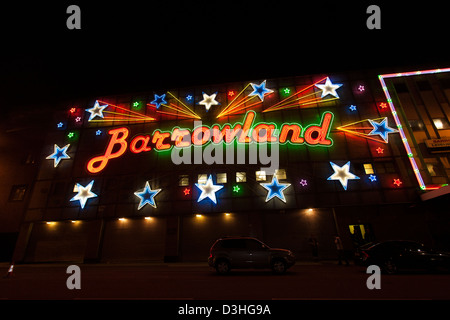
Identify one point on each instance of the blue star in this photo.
(275, 189)
(373, 178)
(189, 97)
(381, 129)
(352, 108)
(98, 132)
(59, 154)
(260, 90)
(60, 125)
(159, 100)
(147, 195)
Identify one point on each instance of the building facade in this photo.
(291, 161)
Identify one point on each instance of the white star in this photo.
(209, 101)
(208, 190)
(342, 174)
(84, 193)
(96, 110)
(329, 88)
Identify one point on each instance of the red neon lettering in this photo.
(158, 138)
(144, 144)
(320, 131)
(108, 153)
(178, 135)
(205, 135)
(247, 125)
(269, 130)
(296, 132)
(230, 134)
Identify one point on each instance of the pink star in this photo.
(303, 182)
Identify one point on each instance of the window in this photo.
(416, 125)
(368, 169)
(260, 176)
(241, 177)
(384, 167)
(441, 123)
(280, 174)
(17, 193)
(183, 180)
(221, 178)
(202, 178)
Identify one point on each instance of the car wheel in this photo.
(279, 266)
(222, 266)
(389, 266)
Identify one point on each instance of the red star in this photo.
(379, 150)
(383, 105)
(187, 191)
(397, 182)
(231, 93)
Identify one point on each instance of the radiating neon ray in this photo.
(350, 128)
(295, 100)
(131, 116)
(181, 110)
(236, 105)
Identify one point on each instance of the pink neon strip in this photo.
(397, 120)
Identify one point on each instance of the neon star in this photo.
(397, 182)
(342, 174)
(329, 88)
(236, 188)
(379, 150)
(84, 193)
(98, 132)
(96, 110)
(260, 90)
(159, 100)
(381, 128)
(187, 191)
(209, 101)
(372, 178)
(60, 125)
(275, 189)
(147, 195)
(352, 108)
(189, 97)
(59, 154)
(208, 190)
(303, 182)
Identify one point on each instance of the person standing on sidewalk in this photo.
(340, 250)
(314, 247)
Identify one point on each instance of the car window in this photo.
(412, 246)
(253, 244)
(233, 244)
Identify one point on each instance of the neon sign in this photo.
(245, 132)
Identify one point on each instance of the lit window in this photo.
(260, 176)
(430, 168)
(221, 178)
(202, 178)
(241, 177)
(368, 168)
(17, 193)
(280, 174)
(441, 123)
(183, 180)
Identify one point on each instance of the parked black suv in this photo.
(246, 252)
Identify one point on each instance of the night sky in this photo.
(126, 47)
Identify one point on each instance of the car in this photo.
(247, 252)
(396, 255)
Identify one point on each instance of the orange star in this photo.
(397, 182)
(187, 191)
(379, 150)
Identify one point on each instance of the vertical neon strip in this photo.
(397, 120)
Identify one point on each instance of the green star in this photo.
(236, 188)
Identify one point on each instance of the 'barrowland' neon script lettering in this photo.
(245, 132)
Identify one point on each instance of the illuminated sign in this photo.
(245, 132)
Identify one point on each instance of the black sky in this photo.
(133, 46)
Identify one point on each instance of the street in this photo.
(187, 281)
